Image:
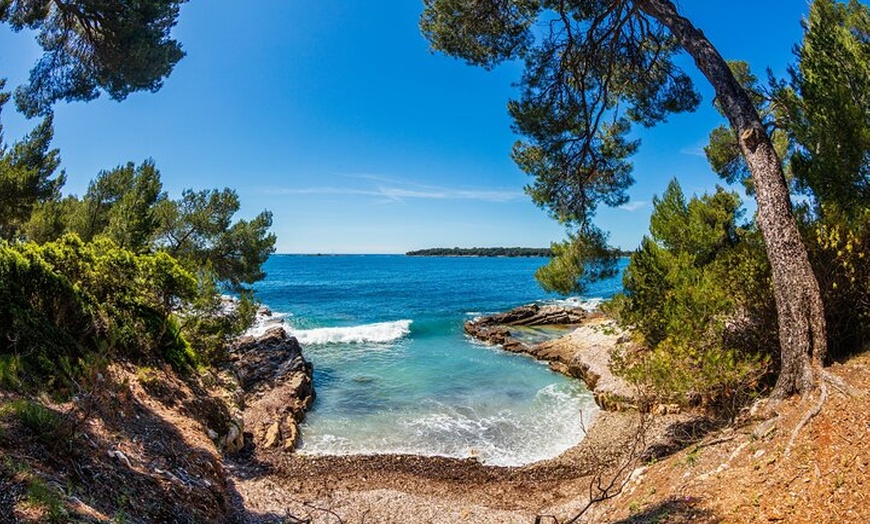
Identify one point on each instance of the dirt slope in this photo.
(742, 474)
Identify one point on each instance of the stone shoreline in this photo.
(277, 388)
(410, 488)
(584, 353)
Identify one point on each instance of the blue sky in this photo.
(335, 116)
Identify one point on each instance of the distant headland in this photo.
(481, 252)
(541, 252)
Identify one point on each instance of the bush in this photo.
(63, 301)
(41, 495)
(211, 320)
(42, 421)
(718, 379)
(698, 292)
(839, 249)
(10, 371)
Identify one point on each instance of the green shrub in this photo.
(64, 301)
(697, 290)
(10, 372)
(175, 349)
(210, 324)
(42, 421)
(42, 496)
(718, 379)
(67, 304)
(839, 248)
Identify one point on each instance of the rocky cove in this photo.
(278, 382)
(584, 352)
(270, 478)
(655, 466)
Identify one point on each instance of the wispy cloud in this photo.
(633, 206)
(398, 192)
(695, 150)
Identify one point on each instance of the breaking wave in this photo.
(378, 333)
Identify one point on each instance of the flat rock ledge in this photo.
(277, 384)
(584, 353)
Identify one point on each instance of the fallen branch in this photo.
(715, 441)
(601, 488)
(323, 510)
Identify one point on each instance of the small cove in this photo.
(394, 371)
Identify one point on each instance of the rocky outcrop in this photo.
(585, 353)
(533, 315)
(278, 387)
(496, 329)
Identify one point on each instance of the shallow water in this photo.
(394, 371)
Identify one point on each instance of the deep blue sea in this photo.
(394, 371)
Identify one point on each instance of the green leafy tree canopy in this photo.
(120, 204)
(828, 105)
(592, 69)
(198, 230)
(27, 170)
(94, 45)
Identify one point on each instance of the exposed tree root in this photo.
(807, 417)
(841, 385)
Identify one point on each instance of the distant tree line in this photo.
(481, 252)
(542, 252)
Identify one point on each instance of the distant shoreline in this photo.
(425, 253)
(505, 252)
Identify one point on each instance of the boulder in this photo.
(277, 384)
(234, 440)
(586, 353)
(534, 315)
(291, 438)
(273, 436)
(495, 329)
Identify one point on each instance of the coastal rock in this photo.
(273, 436)
(533, 315)
(585, 353)
(262, 361)
(277, 381)
(234, 440)
(495, 329)
(291, 437)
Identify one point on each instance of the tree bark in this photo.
(799, 306)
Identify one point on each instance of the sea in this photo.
(394, 371)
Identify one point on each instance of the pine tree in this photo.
(595, 69)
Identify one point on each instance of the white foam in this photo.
(263, 323)
(380, 332)
(501, 437)
(589, 304)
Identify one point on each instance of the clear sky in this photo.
(335, 116)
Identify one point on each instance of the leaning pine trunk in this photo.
(798, 300)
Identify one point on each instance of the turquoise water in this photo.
(394, 371)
